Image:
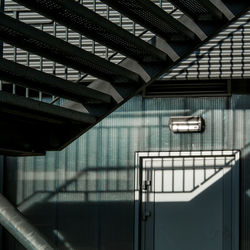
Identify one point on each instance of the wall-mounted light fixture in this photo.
(186, 124)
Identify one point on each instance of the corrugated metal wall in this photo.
(82, 197)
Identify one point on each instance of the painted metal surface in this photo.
(192, 201)
(91, 183)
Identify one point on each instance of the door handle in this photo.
(146, 216)
(146, 185)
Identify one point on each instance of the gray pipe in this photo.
(15, 223)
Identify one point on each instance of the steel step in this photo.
(86, 22)
(34, 79)
(149, 15)
(202, 9)
(30, 127)
(38, 42)
(13, 104)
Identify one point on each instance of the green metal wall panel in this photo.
(82, 197)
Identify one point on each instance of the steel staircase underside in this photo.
(30, 127)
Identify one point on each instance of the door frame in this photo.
(138, 159)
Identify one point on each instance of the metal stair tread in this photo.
(86, 22)
(149, 15)
(34, 79)
(42, 109)
(29, 38)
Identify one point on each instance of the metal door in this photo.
(189, 202)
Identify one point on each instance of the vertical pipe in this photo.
(93, 42)
(160, 3)
(107, 49)
(54, 63)
(40, 95)
(27, 64)
(54, 33)
(16, 16)
(67, 40)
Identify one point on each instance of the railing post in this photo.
(1, 43)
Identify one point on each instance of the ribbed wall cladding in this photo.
(82, 197)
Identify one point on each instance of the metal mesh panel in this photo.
(139, 10)
(29, 59)
(65, 53)
(90, 28)
(193, 6)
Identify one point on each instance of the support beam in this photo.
(86, 22)
(15, 223)
(34, 79)
(41, 43)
